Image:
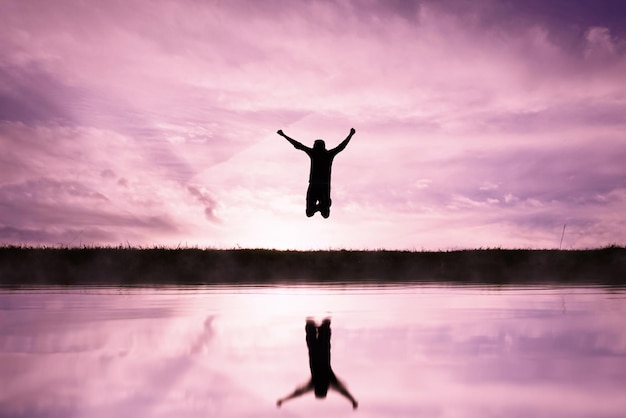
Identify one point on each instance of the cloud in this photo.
(600, 46)
(31, 95)
(206, 200)
(67, 212)
(56, 236)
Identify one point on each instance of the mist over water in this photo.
(232, 351)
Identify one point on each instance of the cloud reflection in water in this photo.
(415, 351)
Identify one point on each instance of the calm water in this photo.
(416, 351)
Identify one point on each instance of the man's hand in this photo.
(279, 403)
(352, 131)
(280, 132)
(355, 404)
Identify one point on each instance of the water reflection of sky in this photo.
(420, 351)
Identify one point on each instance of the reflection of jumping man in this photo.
(318, 194)
(322, 375)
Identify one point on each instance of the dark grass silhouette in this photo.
(123, 266)
(318, 193)
(322, 375)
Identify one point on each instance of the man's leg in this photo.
(311, 342)
(311, 332)
(325, 201)
(323, 343)
(311, 200)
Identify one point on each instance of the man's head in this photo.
(319, 144)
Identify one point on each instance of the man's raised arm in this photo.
(301, 390)
(295, 143)
(343, 144)
(341, 388)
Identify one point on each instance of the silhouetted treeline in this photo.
(26, 266)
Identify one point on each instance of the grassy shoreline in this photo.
(33, 266)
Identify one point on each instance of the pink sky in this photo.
(479, 124)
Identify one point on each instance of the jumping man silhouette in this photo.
(322, 375)
(318, 193)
